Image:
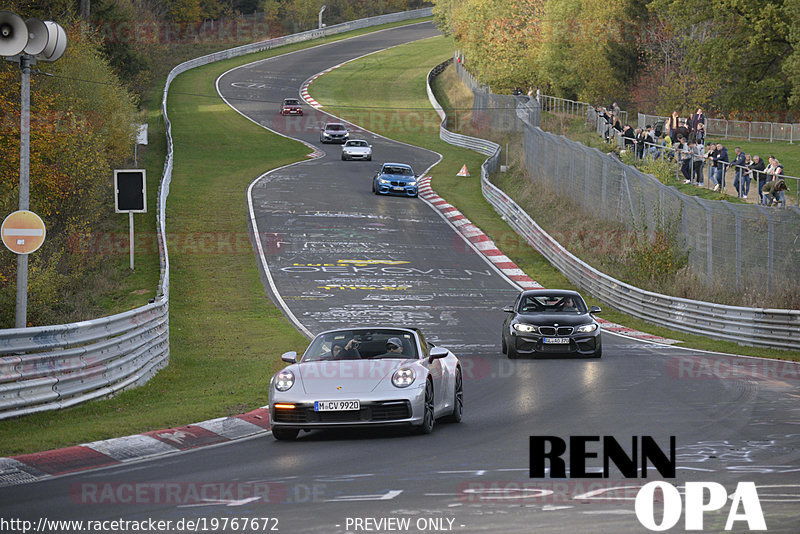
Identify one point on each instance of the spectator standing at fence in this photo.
(700, 134)
(720, 159)
(672, 126)
(666, 142)
(641, 139)
(629, 136)
(738, 169)
(697, 163)
(758, 172)
(697, 118)
(747, 175)
(685, 157)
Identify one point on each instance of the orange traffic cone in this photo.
(463, 171)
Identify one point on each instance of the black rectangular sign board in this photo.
(130, 191)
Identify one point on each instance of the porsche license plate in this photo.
(336, 405)
(556, 340)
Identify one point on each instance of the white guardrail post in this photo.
(51, 367)
(751, 326)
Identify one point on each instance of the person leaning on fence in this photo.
(720, 161)
(738, 168)
(758, 171)
(747, 175)
(629, 137)
(775, 191)
(777, 174)
(666, 142)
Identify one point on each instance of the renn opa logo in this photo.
(699, 497)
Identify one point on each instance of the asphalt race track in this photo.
(338, 255)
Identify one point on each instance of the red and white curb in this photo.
(487, 247)
(32, 467)
(304, 88)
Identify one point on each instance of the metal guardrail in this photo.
(752, 326)
(52, 367)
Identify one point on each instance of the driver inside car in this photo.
(394, 348)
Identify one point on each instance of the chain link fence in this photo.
(498, 112)
(760, 131)
(727, 243)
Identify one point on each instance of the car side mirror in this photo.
(289, 357)
(436, 353)
(509, 309)
(595, 309)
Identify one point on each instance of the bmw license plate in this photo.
(556, 340)
(336, 405)
(398, 188)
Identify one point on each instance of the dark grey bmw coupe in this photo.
(551, 322)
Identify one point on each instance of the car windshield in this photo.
(290, 102)
(334, 127)
(403, 171)
(357, 143)
(361, 345)
(552, 303)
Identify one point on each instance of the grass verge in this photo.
(225, 334)
(373, 81)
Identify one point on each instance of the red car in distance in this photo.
(291, 106)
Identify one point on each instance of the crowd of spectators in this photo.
(683, 141)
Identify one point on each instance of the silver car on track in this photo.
(366, 376)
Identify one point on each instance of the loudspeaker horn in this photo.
(37, 36)
(13, 34)
(56, 42)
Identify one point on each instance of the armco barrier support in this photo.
(751, 326)
(52, 367)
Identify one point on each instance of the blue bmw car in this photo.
(395, 179)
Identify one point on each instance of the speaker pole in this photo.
(24, 186)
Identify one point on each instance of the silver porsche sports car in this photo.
(366, 376)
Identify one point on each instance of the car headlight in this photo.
(412, 184)
(585, 329)
(383, 181)
(284, 380)
(402, 378)
(526, 328)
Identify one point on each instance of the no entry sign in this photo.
(23, 232)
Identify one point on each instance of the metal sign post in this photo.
(130, 196)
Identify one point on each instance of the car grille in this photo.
(378, 411)
(287, 415)
(553, 331)
(396, 183)
(387, 411)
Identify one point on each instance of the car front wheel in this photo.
(512, 351)
(285, 434)
(428, 415)
(458, 399)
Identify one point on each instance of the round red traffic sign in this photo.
(23, 232)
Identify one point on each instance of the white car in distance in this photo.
(356, 149)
